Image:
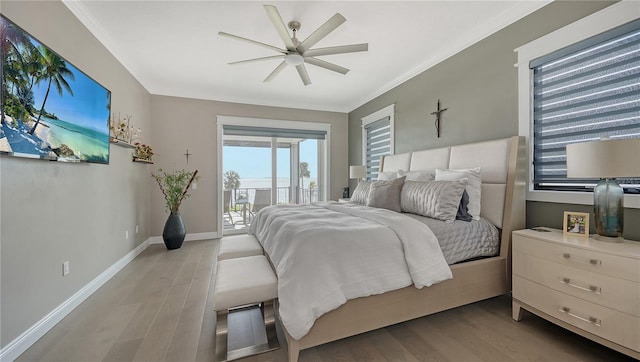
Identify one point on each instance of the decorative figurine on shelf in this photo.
(123, 130)
(143, 152)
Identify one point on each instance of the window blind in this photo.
(233, 130)
(378, 144)
(582, 93)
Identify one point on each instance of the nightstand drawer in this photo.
(618, 327)
(618, 294)
(590, 260)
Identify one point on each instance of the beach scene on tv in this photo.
(50, 109)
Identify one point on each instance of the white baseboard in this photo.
(14, 349)
(189, 237)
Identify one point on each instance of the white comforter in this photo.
(327, 253)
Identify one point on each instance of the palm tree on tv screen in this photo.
(55, 71)
(11, 40)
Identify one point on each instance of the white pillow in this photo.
(361, 193)
(385, 176)
(422, 175)
(474, 186)
(435, 199)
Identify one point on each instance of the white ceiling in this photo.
(172, 47)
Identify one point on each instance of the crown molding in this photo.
(78, 9)
(499, 21)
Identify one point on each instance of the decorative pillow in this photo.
(383, 176)
(463, 208)
(422, 175)
(386, 194)
(474, 186)
(435, 199)
(361, 193)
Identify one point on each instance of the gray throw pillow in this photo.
(463, 208)
(435, 199)
(474, 185)
(386, 194)
(361, 193)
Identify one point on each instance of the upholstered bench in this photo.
(237, 246)
(242, 282)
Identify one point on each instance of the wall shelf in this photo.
(121, 143)
(142, 161)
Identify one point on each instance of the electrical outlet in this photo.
(136, 229)
(126, 234)
(65, 268)
(194, 186)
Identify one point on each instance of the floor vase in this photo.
(174, 232)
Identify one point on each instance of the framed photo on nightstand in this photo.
(576, 223)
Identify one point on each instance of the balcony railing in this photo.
(242, 205)
(283, 195)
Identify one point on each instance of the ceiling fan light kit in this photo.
(294, 59)
(298, 53)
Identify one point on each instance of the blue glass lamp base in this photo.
(608, 208)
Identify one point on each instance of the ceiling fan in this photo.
(297, 53)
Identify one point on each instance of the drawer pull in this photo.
(593, 320)
(589, 261)
(591, 288)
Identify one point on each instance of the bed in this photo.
(502, 204)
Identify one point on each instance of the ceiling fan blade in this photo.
(324, 30)
(326, 65)
(337, 50)
(276, 71)
(303, 74)
(256, 59)
(231, 36)
(277, 22)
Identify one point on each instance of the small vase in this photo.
(174, 232)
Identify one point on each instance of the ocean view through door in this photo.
(267, 166)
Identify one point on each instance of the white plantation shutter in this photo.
(585, 92)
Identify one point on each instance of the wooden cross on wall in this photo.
(437, 113)
(187, 155)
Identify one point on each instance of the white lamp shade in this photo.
(604, 159)
(357, 171)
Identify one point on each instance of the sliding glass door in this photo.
(266, 166)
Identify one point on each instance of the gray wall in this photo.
(53, 212)
(182, 123)
(479, 86)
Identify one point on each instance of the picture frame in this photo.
(576, 223)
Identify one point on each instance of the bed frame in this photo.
(503, 203)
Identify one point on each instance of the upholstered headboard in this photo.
(502, 200)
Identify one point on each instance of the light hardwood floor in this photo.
(159, 308)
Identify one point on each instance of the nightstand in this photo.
(587, 286)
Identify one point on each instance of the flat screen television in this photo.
(50, 109)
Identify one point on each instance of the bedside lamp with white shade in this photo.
(358, 172)
(607, 160)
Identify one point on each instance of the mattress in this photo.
(463, 240)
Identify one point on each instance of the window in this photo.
(377, 139)
(584, 92)
(596, 110)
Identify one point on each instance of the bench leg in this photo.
(221, 336)
(268, 310)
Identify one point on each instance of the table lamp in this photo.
(606, 159)
(358, 172)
